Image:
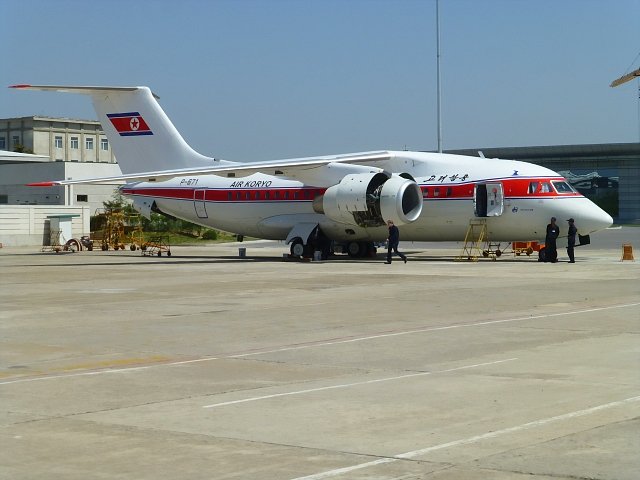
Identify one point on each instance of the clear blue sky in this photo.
(268, 79)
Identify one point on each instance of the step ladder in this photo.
(475, 237)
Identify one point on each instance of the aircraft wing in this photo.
(297, 168)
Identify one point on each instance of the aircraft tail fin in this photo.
(139, 131)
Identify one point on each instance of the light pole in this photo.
(438, 75)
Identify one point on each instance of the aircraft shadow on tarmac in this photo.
(203, 259)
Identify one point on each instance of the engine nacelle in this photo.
(370, 199)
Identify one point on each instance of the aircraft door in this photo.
(199, 202)
(488, 200)
(480, 200)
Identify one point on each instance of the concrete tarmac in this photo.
(208, 366)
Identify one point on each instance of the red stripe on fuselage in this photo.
(512, 188)
(229, 194)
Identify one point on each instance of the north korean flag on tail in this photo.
(129, 124)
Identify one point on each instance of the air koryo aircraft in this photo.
(348, 198)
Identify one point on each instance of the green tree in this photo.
(19, 148)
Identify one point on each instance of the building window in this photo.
(58, 142)
(104, 144)
(4, 199)
(74, 143)
(88, 143)
(82, 198)
(16, 140)
(3, 143)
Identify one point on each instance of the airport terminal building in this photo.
(59, 148)
(37, 149)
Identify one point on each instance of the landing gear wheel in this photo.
(354, 249)
(297, 248)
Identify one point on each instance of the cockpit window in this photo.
(563, 187)
(546, 187)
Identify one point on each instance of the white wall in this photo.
(14, 177)
(24, 225)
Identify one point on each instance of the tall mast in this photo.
(438, 73)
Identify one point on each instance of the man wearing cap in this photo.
(571, 240)
(550, 249)
(393, 241)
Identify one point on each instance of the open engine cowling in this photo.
(370, 199)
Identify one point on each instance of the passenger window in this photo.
(229, 196)
(238, 195)
(286, 195)
(436, 192)
(276, 194)
(533, 187)
(247, 196)
(266, 195)
(425, 192)
(257, 196)
(449, 191)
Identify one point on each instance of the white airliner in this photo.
(344, 198)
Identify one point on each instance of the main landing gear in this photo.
(300, 250)
(354, 249)
(360, 249)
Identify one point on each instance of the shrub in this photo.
(210, 235)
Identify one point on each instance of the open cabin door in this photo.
(199, 202)
(488, 199)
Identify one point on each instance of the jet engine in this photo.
(370, 199)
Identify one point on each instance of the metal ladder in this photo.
(475, 236)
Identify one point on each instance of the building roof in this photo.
(556, 151)
(53, 119)
(7, 157)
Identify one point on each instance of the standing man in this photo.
(571, 240)
(393, 241)
(551, 251)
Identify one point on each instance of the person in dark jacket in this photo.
(551, 251)
(393, 241)
(571, 240)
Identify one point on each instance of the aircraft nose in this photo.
(594, 219)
